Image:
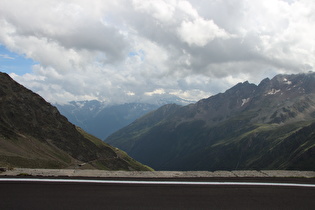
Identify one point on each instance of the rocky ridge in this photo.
(248, 127)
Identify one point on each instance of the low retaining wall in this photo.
(153, 174)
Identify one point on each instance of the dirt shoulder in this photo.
(151, 174)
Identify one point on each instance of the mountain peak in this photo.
(268, 126)
(264, 82)
(241, 87)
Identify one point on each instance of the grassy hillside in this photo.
(34, 134)
(120, 160)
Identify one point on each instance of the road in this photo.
(158, 194)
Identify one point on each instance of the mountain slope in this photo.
(100, 120)
(34, 134)
(247, 127)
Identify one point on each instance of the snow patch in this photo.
(244, 101)
(286, 81)
(79, 104)
(273, 92)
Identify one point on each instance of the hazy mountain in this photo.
(101, 119)
(265, 126)
(34, 134)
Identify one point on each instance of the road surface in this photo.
(286, 193)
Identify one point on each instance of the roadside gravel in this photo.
(152, 174)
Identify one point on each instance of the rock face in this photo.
(34, 134)
(265, 126)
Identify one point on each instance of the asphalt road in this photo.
(213, 194)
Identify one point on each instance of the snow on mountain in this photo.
(102, 119)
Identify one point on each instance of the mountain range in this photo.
(102, 119)
(265, 126)
(34, 134)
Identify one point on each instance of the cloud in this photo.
(200, 32)
(160, 10)
(121, 51)
(154, 92)
(5, 56)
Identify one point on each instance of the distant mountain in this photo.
(34, 134)
(265, 126)
(102, 120)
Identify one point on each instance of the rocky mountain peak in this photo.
(242, 89)
(265, 126)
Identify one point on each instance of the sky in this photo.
(130, 50)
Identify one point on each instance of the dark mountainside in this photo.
(269, 126)
(34, 134)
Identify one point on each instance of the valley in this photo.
(269, 126)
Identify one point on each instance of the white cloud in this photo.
(192, 94)
(155, 92)
(120, 51)
(200, 31)
(161, 10)
(187, 8)
(5, 56)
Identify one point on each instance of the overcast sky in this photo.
(123, 50)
